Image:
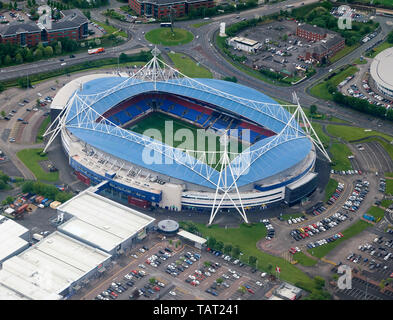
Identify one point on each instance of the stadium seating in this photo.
(189, 110)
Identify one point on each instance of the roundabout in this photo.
(164, 36)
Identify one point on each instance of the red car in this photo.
(134, 272)
(156, 288)
(114, 294)
(306, 234)
(250, 291)
(341, 234)
(302, 235)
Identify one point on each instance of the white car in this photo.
(211, 270)
(128, 276)
(225, 276)
(207, 274)
(258, 283)
(161, 284)
(153, 265)
(142, 266)
(172, 293)
(134, 256)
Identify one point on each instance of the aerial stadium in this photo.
(159, 138)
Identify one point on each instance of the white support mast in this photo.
(223, 188)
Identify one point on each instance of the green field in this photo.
(352, 231)
(321, 89)
(325, 139)
(386, 203)
(31, 159)
(376, 212)
(340, 153)
(195, 139)
(349, 133)
(246, 237)
(44, 125)
(200, 24)
(165, 37)
(389, 186)
(343, 52)
(380, 48)
(292, 215)
(189, 67)
(304, 260)
(330, 188)
(110, 29)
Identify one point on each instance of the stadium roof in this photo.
(10, 237)
(103, 94)
(102, 222)
(50, 267)
(381, 69)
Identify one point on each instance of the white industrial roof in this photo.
(381, 69)
(246, 41)
(50, 267)
(9, 294)
(66, 92)
(191, 236)
(101, 221)
(24, 288)
(10, 241)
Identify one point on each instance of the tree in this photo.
(252, 260)
(48, 51)
(7, 60)
(211, 242)
(58, 48)
(152, 280)
(219, 245)
(37, 54)
(242, 290)
(15, 5)
(9, 200)
(3, 114)
(319, 282)
(228, 248)
(313, 109)
(236, 252)
(219, 280)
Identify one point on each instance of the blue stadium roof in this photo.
(273, 117)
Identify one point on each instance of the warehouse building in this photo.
(56, 267)
(244, 44)
(13, 238)
(103, 223)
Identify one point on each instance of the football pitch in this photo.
(186, 136)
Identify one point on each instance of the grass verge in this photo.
(165, 37)
(330, 188)
(246, 237)
(376, 212)
(304, 260)
(321, 90)
(44, 125)
(31, 159)
(348, 233)
(189, 67)
(340, 153)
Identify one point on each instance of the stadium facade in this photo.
(95, 115)
(381, 71)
